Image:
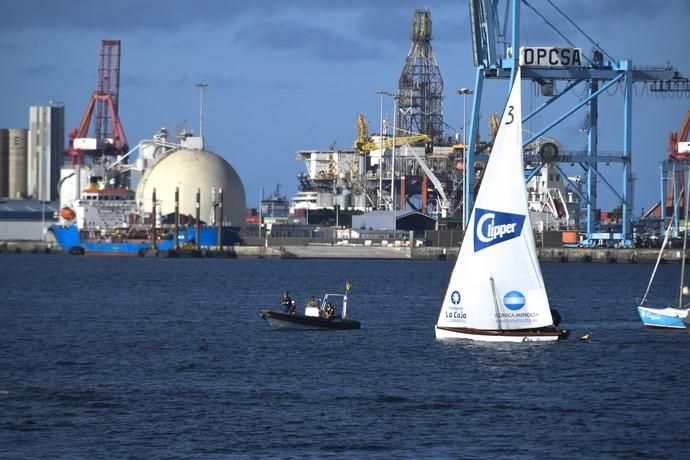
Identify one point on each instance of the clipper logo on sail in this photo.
(493, 227)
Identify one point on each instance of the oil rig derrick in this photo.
(420, 86)
(423, 166)
(498, 51)
(108, 138)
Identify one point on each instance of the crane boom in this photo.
(445, 203)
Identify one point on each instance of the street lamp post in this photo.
(43, 220)
(464, 92)
(381, 149)
(395, 129)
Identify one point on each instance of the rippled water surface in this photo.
(157, 358)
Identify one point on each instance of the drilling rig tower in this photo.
(420, 87)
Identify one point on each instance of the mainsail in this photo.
(496, 283)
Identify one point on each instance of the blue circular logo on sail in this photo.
(514, 300)
(455, 298)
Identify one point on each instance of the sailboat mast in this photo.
(685, 245)
(498, 310)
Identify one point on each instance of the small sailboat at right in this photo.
(496, 291)
(670, 316)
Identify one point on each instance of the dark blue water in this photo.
(156, 358)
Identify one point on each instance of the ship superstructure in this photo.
(552, 201)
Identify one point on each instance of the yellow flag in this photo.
(348, 286)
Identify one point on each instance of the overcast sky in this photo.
(286, 75)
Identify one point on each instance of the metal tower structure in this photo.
(108, 135)
(497, 53)
(420, 87)
(674, 170)
(108, 84)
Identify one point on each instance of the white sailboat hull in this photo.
(499, 336)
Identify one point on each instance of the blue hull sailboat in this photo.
(668, 316)
(662, 318)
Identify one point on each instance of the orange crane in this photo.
(679, 150)
(678, 144)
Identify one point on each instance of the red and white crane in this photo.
(108, 138)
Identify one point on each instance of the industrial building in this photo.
(24, 217)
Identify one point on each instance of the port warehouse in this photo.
(26, 220)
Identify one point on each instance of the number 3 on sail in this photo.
(496, 291)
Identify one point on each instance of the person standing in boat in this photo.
(329, 310)
(288, 303)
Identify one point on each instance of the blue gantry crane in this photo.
(498, 50)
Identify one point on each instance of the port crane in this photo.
(364, 144)
(108, 141)
(498, 50)
(108, 135)
(674, 169)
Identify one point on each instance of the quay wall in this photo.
(557, 255)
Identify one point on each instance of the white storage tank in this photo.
(191, 170)
(17, 163)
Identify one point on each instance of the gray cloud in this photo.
(5, 46)
(133, 15)
(293, 36)
(137, 81)
(619, 9)
(39, 70)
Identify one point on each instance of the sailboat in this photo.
(671, 316)
(496, 291)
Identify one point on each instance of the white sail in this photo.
(497, 283)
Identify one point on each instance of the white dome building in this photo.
(192, 170)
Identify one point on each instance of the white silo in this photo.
(16, 181)
(46, 144)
